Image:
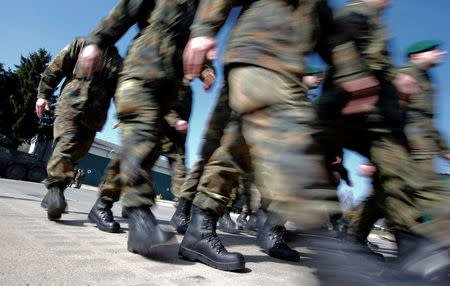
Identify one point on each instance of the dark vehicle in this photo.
(18, 165)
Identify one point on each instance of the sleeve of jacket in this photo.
(61, 67)
(210, 16)
(344, 55)
(124, 15)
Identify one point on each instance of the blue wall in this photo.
(94, 166)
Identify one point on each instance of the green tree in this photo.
(9, 85)
(28, 74)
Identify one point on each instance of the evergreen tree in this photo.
(28, 74)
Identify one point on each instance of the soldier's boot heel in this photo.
(181, 217)
(145, 232)
(201, 243)
(56, 203)
(102, 216)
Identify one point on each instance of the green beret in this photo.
(313, 70)
(422, 46)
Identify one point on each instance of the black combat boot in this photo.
(44, 203)
(270, 239)
(56, 202)
(145, 232)
(181, 217)
(201, 243)
(226, 224)
(256, 221)
(124, 213)
(102, 216)
(420, 257)
(241, 220)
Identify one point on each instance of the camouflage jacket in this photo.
(361, 26)
(420, 106)
(156, 51)
(274, 34)
(84, 99)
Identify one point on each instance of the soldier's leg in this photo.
(219, 177)
(140, 107)
(73, 141)
(422, 245)
(210, 142)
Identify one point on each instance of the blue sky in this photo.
(28, 25)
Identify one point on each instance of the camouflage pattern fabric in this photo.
(81, 108)
(149, 84)
(424, 142)
(172, 147)
(83, 99)
(271, 106)
(217, 121)
(72, 142)
(276, 140)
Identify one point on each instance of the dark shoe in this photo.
(180, 219)
(241, 220)
(270, 239)
(44, 203)
(56, 203)
(124, 213)
(256, 221)
(201, 243)
(423, 258)
(145, 232)
(102, 216)
(226, 224)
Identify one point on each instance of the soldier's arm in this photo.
(344, 55)
(124, 15)
(59, 68)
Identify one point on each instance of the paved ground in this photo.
(72, 251)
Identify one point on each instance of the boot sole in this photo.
(146, 249)
(102, 228)
(56, 213)
(195, 256)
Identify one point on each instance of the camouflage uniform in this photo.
(172, 147)
(378, 133)
(149, 83)
(81, 108)
(424, 143)
(275, 132)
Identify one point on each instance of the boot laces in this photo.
(277, 235)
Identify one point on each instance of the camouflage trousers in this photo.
(273, 135)
(72, 142)
(141, 106)
(217, 122)
(423, 206)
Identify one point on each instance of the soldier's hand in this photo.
(182, 126)
(406, 86)
(90, 59)
(195, 54)
(116, 124)
(447, 156)
(208, 77)
(367, 170)
(41, 105)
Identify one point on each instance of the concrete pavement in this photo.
(72, 251)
